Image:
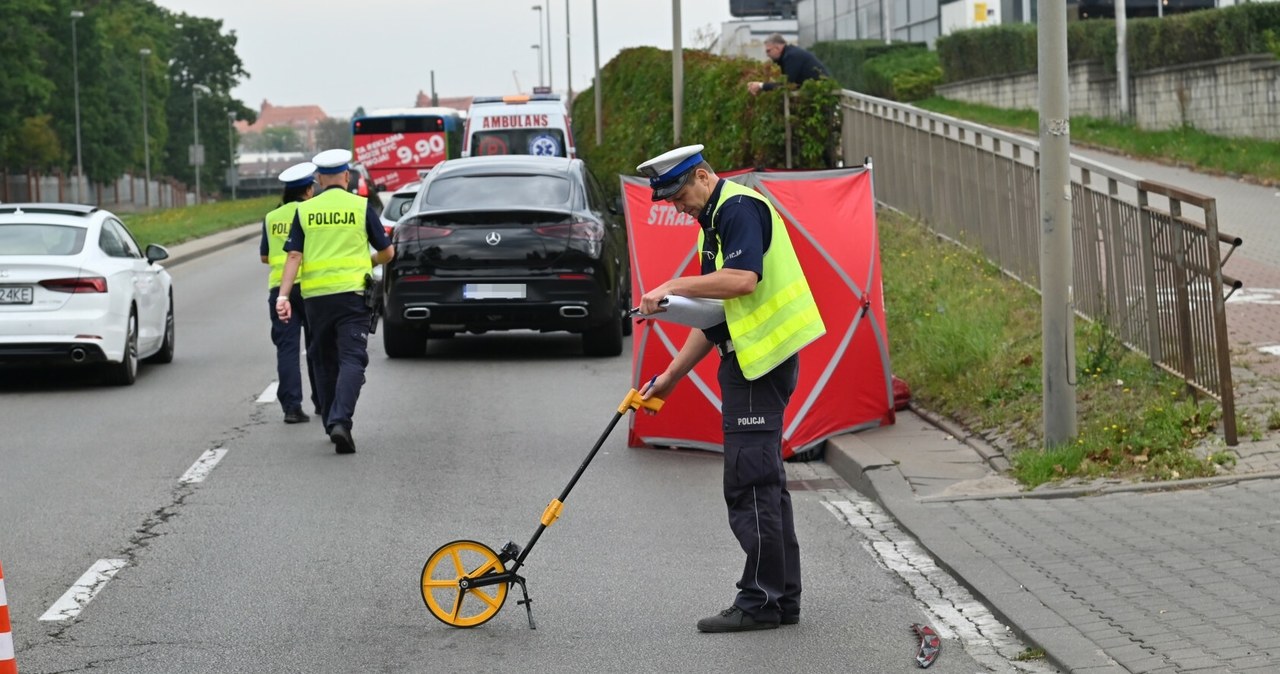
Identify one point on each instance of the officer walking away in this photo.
(770, 314)
(333, 232)
(797, 64)
(299, 185)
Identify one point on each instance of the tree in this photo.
(202, 55)
(25, 50)
(333, 132)
(36, 146)
(281, 139)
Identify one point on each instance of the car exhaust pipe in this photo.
(78, 354)
(573, 312)
(417, 313)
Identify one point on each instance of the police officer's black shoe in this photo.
(341, 437)
(733, 619)
(789, 619)
(296, 417)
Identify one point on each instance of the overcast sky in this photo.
(380, 53)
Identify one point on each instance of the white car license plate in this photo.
(15, 294)
(493, 291)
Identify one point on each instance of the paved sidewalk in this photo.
(1110, 576)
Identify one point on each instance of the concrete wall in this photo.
(1234, 97)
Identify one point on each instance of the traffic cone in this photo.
(7, 664)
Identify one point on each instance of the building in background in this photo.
(302, 119)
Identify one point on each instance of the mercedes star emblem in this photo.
(492, 238)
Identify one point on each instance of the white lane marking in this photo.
(956, 613)
(70, 604)
(1273, 350)
(1255, 296)
(200, 469)
(269, 395)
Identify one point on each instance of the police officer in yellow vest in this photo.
(747, 261)
(332, 233)
(299, 184)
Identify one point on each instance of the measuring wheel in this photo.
(447, 587)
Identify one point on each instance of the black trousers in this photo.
(755, 487)
(339, 348)
(288, 340)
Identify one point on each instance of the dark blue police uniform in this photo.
(288, 340)
(755, 480)
(339, 327)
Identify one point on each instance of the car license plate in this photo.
(493, 291)
(15, 294)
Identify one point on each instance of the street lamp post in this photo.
(539, 48)
(538, 9)
(568, 57)
(551, 74)
(146, 138)
(75, 69)
(197, 152)
(232, 171)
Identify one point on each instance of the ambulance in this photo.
(536, 124)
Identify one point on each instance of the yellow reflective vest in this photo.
(336, 246)
(780, 316)
(277, 223)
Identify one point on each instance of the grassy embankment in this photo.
(968, 338)
(174, 225)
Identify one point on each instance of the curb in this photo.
(190, 250)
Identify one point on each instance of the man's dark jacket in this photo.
(799, 65)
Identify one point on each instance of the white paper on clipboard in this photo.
(695, 312)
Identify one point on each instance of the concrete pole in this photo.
(1057, 315)
(75, 70)
(195, 129)
(677, 72)
(885, 7)
(595, 39)
(568, 58)
(146, 135)
(1122, 59)
(551, 73)
(541, 80)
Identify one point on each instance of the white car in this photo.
(399, 203)
(75, 288)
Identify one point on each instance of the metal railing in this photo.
(1147, 256)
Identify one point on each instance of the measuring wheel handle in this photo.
(635, 401)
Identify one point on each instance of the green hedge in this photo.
(1252, 28)
(846, 59)
(739, 130)
(904, 75)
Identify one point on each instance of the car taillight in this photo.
(591, 231)
(419, 232)
(87, 284)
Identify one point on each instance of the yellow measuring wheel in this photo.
(465, 583)
(447, 584)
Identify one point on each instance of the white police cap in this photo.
(298, 175)
(669, 171)
(332, 161)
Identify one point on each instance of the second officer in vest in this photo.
(299, 185)
(747, 261)
(333, 233)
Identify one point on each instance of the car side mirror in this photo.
(404, 208)
(156, 253)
